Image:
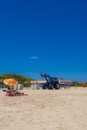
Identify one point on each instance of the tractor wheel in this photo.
(44, 87)
(51, 86)
(57, 86)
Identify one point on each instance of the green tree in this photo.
(19, 78)
(79, 84)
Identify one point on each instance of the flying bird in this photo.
(34, 57)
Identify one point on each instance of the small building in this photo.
(67, 82)
(37, 81)
(37, 84)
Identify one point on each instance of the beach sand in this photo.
(64, 109)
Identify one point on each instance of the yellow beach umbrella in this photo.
(10, 82)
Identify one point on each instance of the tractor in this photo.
(51, 82)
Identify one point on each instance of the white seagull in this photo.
(34, 57)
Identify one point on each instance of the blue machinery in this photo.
(51, 82)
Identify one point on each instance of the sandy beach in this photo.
(64, 109)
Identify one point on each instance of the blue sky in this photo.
(54, 31)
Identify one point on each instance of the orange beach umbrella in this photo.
(10, 81)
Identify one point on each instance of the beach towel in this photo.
(15, 96)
